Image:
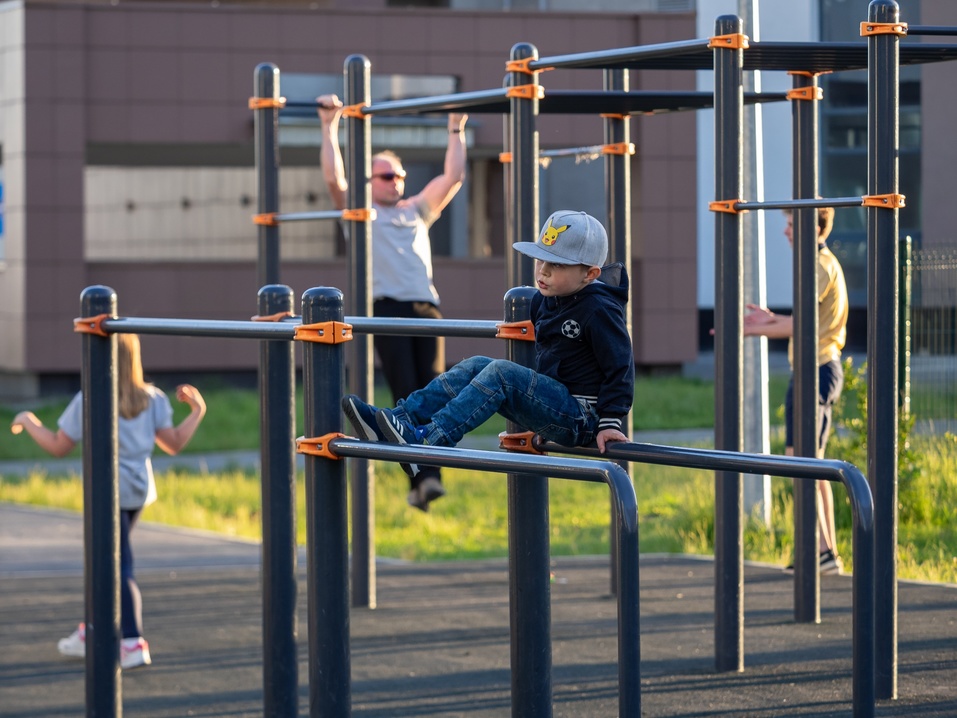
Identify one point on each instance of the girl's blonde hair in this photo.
(133, 397)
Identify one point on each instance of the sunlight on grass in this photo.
(676, 513)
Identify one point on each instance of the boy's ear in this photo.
(593, 273)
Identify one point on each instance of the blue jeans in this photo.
(461, 399)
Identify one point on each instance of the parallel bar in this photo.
(728, 352)
(862, 509)
(607, 472)
(101, 511)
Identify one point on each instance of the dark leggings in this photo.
(131, 603)
(409, 363)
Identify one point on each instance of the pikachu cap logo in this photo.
(550, 233)
(569, 237)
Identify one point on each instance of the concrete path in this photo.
(437, 645)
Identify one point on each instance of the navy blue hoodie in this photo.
(582, 341)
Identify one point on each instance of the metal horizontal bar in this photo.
(569, 151)
(436, 103)
(795, 467)
(201, 328)
(306, 216)
(597, 471)
(801, 203)
(391, 326)
(595, 59)
(931, 30)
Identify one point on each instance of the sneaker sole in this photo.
(395, 437)
(365, 432)
(414, 499)
(71, 652)
(430, 491)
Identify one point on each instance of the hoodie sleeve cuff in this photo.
(608, 422)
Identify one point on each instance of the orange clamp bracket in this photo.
(734, 41)
(91, 325)
(523, 66)
(318, 445)
(527, 92)
(504, 157)
(324, 333)
(277, 317)
(358, 215)
(520, 331)
(805, 93)
(519, 442)
(884, 201)
(354, 110)
(883, 28)
(266, 103)
(614, 116)
(618, 148)
(808, 73)
(726, 205)
(268, 219)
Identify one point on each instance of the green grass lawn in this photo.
(676, 505)
(232, 418)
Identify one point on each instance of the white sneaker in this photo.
(74, 645)
(134, 652)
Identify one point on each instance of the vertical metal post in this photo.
(618, 209)
(523, 137)
(883, 106)
(807, 582)
(528, 558)
(277, 411)
(729, 307)
(755, 417)
(512, 270)
(906, 280)
(101, 510)
(361, 379)
(266, 123)
(327, 544)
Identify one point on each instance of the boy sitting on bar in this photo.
(582, 386)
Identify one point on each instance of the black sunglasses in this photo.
(389, 176)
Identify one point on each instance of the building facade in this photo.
(128, 161)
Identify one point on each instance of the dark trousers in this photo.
(131, 603)
(830, 380)
(409, 363)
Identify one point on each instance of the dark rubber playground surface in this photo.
(438, 642)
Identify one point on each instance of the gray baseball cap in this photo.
(569, 237)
